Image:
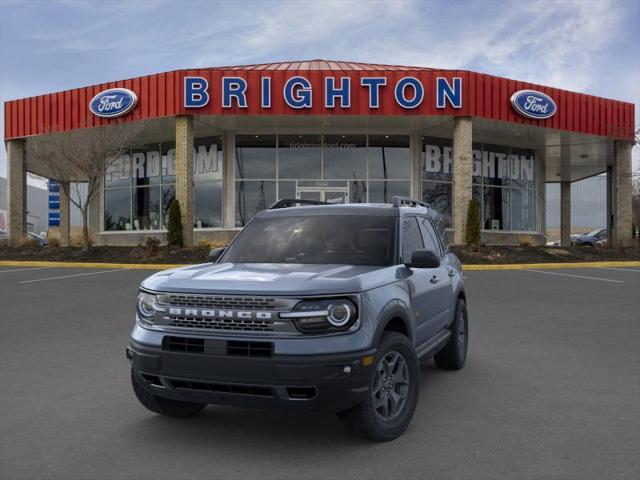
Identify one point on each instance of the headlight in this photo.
(323, 316)
(147, 306)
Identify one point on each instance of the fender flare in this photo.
(394, 309)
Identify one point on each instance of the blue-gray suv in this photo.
(314, 307)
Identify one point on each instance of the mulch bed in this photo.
(468, 255)
(106, 254)
(486, 255)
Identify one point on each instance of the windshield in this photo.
(338, 239)
(594, 233)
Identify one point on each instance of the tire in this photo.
(397, 359)
(454, 353)
(164, 406)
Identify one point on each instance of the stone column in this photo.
(565, 213)
(184, 174)
(228, 180)
(416, 166)
(65, 216)
(621, 235)
(462, 175)
(16, 191)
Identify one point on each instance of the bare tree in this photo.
(82, 156)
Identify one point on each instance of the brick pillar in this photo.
(184, 174)
(565, 213)
(462, 175)
(65, 216)
(16, 191)
(621, 185)
(228, 180)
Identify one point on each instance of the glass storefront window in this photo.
(251, 197)
(389, 157)
(496, 208)
(522, 167)
(145, 165)
(118, 174)
(146, 208)
(150, 171)
(497, 170)
(381, 191)
(255, 156)
(208, 205)
(438, 196)
(168, 162)
(207, 159)
(522, 209)
(117, 209)
(168, 195)
(299, 156)
(436, 159)
(345, 157)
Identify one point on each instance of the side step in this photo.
(434, 345)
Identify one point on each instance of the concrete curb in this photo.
(164, 266)
(130, 266)
(550, 266)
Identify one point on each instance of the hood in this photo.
(272, 279)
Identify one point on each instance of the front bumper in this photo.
(319, 382)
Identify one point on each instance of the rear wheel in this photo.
(163, 406)
(393, 393)
(454, 353)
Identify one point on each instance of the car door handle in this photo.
(435, 279)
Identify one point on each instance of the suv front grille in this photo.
(232, 324)
(222, 302)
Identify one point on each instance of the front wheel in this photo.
(163, 406)
(454, 353)
(393, 392)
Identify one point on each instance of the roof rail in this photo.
(398, 201)
(292, 202)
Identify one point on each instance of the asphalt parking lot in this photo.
(551, 390)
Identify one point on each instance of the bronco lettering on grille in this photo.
(239, 314)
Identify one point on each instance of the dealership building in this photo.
(227, 142)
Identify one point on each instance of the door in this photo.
(424, 284)
(324, 194)
(443, 296)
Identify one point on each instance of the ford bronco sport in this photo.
(314, 307)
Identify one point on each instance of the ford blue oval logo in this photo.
(533, 104)
(114, 102)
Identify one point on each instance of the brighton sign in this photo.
(533, 104)
(298, 93)
(113, 103)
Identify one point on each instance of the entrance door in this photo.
(324, 194)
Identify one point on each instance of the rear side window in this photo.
(430, 238)
(441, 231)
(411, 238)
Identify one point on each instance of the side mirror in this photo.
(424, 259)
(215, 254)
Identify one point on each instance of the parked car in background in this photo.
(591, 239)
(40, 239)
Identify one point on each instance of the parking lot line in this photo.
(23, 269)
(68, 276)
(637, 270)
(575, 276)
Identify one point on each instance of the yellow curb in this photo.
(164, 266)
(131, 266)
(525, 266)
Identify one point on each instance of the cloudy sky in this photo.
(583, 45)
